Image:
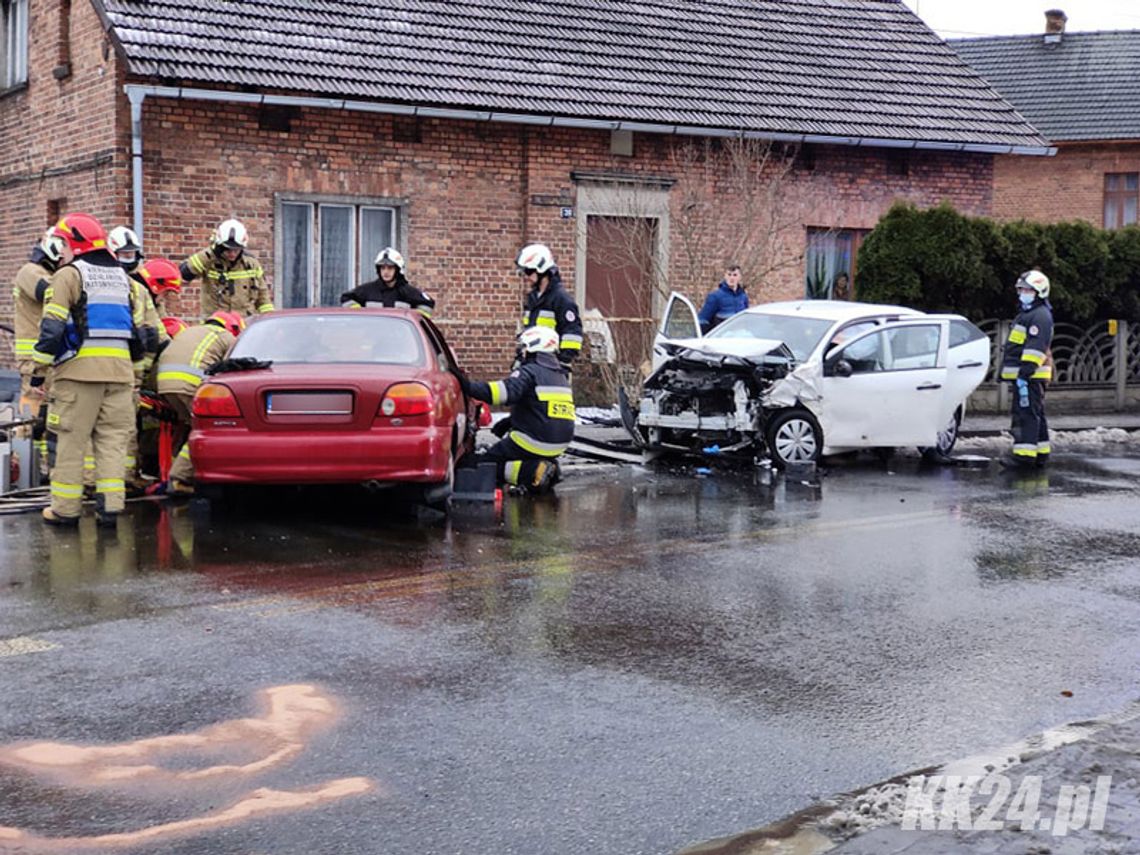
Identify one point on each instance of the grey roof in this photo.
(859, 70)
(1087, 87)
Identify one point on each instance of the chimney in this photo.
(1054, 26)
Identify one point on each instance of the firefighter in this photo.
(1026, 364)
(542, 413)
(391, 287)
(127, 249)
(232, 279)
(181, 367)
(547, 303)
(28, 303)
(87, 334)
(163, 281)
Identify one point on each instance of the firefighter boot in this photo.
(52, 518)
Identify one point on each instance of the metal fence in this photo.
(1101, 360)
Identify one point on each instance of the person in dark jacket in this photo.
(1025, 362)
(548, 304)
(390, 288)
(726, 300)
(542, 414)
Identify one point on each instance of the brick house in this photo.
(1082, 91)
(460, 131)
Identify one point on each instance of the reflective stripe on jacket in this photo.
(183, 363)
(541, 401)
(556, 309)
(1027, 348)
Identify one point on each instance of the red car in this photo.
(349, 396)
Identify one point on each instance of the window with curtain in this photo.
(14, 46)
(328, 248)
(1121, 192)
(830, 262)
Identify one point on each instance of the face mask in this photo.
(1026, 300)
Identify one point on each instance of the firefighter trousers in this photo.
(1029, 426)
(103, 415)
(518, 467)
(182, 468)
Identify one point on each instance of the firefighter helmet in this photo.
(1036, 281)
(123, 240)
(536, 257)
(539, 340)
(161, 275)
(174, 325)
(82, 232)
(232, 321)
(231, 234)
(51, 245)
(390, 255)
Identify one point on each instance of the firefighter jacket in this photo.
(1024, 356)
(28, 291)
(542, 404)
(183, 363)
(232, 287)
(556, 309)
(400, 294)
(87, 324)
(145, 316)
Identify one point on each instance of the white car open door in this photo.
(678, 324)
(887, 387)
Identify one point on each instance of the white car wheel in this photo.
(794, 437)
(947, 439)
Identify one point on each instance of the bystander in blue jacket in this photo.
(725, 301)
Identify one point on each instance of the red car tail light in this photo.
(407, 399)
(213, 400)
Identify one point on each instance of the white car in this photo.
(806, 378)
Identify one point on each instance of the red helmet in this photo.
(231, 321)
(174, 326)
(160, 276)
(82, 232)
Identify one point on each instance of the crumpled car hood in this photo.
(746, 348)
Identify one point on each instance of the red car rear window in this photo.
(312, 338)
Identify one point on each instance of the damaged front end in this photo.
(697, 399)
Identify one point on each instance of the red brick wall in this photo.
(468, 185)
(60, 139)
(1068, 186)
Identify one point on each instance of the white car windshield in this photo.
(800, 334)
(313, 338)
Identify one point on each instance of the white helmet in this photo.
(231, 234)
(536, 256)
(52, 245)
(122, 239)
(390, 255)
(539, 340)
(1036, 280)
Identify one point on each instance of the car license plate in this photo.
(308, 403)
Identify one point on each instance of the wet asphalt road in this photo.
(647, 661)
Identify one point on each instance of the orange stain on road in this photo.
(291, 716)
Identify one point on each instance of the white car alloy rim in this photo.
(795, 441)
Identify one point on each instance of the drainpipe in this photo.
(136, 95)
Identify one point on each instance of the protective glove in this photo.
(502, 427)
(1022, 393)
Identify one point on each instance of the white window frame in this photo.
(317, 203)
(14, 58)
